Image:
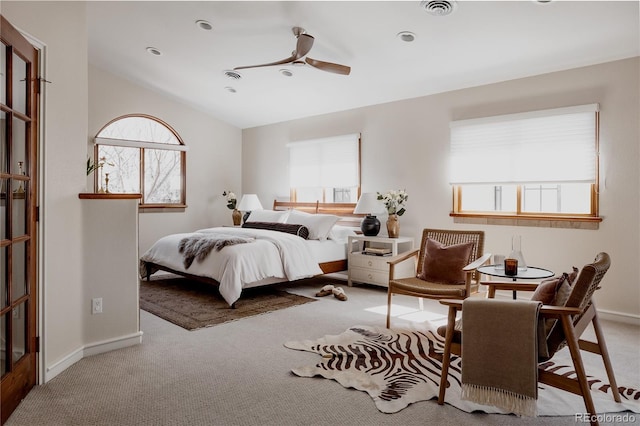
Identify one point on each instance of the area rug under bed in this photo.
(400, 367)
(193, 305)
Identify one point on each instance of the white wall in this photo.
(213, 159)
(62, 27)
(405, 145)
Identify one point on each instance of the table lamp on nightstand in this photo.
(370, 205)
(249, 203)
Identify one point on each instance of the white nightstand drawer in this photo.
(369, 276)
(371, 262)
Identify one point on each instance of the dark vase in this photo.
(370, 226)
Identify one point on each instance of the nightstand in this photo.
(373, 269)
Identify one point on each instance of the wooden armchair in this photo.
(572, 318)
(462, 270)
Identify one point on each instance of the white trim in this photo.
(63, 364)
(113, 344)
(525, 115)
(138, 144)
(90, 350)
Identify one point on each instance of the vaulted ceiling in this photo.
(479, 42)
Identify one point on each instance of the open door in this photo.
(18, 208)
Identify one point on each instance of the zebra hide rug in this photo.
(400, 367)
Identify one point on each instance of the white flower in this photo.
(394, 201)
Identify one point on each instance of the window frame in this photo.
(532, 218)
(148, 145)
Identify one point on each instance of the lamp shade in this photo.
(370, 205)
(249, 202)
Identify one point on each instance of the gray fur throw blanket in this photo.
(198, 246)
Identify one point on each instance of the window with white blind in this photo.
(540, 163)
(326, 170)
(141, 154)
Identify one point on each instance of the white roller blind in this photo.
(556, 145)
(325, 163)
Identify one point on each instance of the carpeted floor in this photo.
(193, 305)
(239, 373)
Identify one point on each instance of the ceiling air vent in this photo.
(233, 74)
(438, 7)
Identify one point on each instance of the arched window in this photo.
(141, 154)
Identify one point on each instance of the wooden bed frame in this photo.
(344, 210)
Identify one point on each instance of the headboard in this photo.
(344, 210)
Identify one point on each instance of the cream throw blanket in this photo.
(500, 355)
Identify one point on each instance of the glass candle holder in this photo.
(511, 267)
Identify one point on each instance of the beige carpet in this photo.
(194, 305)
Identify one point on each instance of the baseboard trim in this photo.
(63, 364)
(113, 344)
(90, 350)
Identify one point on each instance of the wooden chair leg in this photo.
(605, 357)
(446, 356)
(574, 349)
(389, 307)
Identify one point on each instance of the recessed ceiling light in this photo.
(230, 89)
(438, 7)
(154, 51)
(407, 36)
(204, 25)
(286, 72)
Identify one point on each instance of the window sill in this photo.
(160, 208)
(571, 222)
(108, 196)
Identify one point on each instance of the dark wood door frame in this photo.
(19, 198)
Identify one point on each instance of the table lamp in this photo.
(370, 205)
(248, 203)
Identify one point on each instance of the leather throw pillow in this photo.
(443, 264)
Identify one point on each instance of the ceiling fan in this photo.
(299, 56)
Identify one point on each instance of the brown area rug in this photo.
(193, 305)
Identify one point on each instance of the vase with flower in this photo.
(232, 200)
(394, 201)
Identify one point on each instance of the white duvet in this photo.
(272, 255)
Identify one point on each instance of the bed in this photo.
(270, 247)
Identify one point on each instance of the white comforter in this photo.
(272, 255)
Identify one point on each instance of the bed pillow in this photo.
(273, 216)
(319, 225)
(341, 233)
(299, 230)
(443, 264)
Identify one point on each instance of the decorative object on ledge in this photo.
(368, 204)
(394, 202)
(248, 203)
(393, 226)
(231, 205)
(103, 196)
(237, 217)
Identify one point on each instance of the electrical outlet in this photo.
(96, 305)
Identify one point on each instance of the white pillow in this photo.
(273, 216)
(319, 225)
(341, 233)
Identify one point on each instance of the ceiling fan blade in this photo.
(284, 61)
(328, 66)
(303, 46)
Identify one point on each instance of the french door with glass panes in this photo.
(18, 208)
